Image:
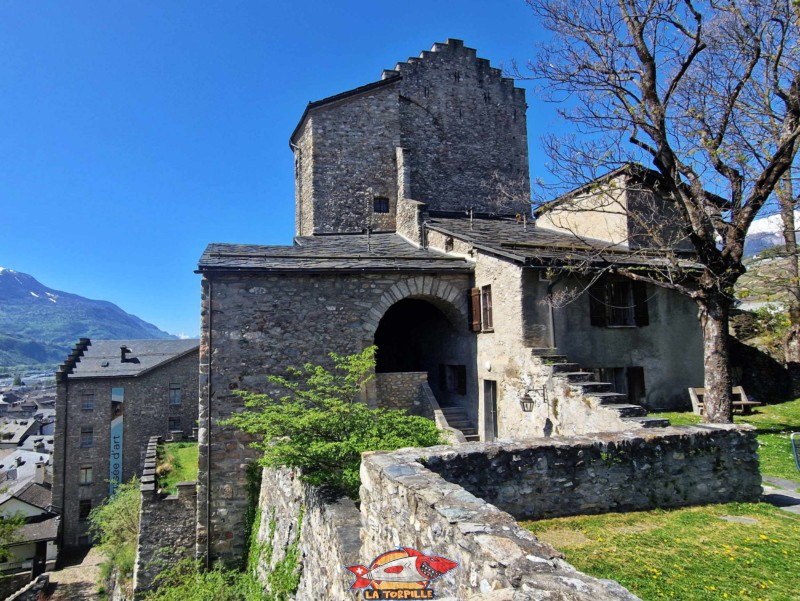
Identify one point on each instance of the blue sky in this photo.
(132, 134)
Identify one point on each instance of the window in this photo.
(84, 509)
(86, 476)
(453, 378)
(618, 303)
(486, 308)
(87, 437)
(174, 394)
(481, 309)
(87, 401)
(117, 395)
(380, 204)
(174, 423)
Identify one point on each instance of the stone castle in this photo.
(413, 233)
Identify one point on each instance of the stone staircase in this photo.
(457, 418)
(584, 383)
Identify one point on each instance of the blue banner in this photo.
(115, 463)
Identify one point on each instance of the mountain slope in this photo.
(39, 324)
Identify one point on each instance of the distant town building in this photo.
(112, 396)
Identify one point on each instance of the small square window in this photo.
(87, 401)
(174, 394)
(86, 476)
(380, 204)
(174, 423)
(84, 509)
(87, 437)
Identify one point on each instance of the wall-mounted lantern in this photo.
(529, 399)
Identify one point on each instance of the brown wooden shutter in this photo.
(461, 371)
(597, 304)
(475, 309)
(640, 313)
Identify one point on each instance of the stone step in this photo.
(609, 398)
(648, 422)
(591, 387)
(576, 376)
(554, 359)
(559, 368)
(459, 424)
(454, 412)
(472, 437)
(545, 351)
(627, 410)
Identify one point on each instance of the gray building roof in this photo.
(37, 531)
(525, 243)
(103, 358)
(341, 252)
(36, 495)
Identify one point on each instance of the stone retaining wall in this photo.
(328, 538)
(452, 502)
(32, 590)
(166, 525)
(403, 390)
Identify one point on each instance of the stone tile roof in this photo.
(36, 495)
(340, 252)
(531, 245)
(37, 531)
(102, 358)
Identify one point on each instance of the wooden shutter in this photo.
(461, 386)
(640, 314)
(475, 309)
(597, 304)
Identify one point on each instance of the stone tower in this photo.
(445, 129)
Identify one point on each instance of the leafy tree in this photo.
(706, 91)
(321, 426)
(17, 381)
(9, 525)
(115, 525)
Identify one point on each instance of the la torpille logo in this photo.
(404, 573)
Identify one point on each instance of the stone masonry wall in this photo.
(465, 130)
(402, 390)
(415, 498)
(352, 160)
(262, 324)
(328, 538)
(166, 526)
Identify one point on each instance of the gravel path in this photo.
(77, 580)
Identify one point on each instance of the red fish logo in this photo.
(403, 568)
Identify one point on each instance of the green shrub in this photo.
(186, 581)
(115, 527)
(321, 427)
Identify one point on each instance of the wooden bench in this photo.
(741, 404)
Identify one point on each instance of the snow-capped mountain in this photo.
(765, 233)
(39, 324)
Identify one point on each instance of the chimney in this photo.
(18, 460)
(39, 477)
(123, 351)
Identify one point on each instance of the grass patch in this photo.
(687, 554)
(774, 424)
(177, 462)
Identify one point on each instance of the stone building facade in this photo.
(113, 395)
(406, 238)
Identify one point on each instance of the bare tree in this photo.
(672, 83)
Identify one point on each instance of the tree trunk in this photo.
(716, 360)
(791, 347)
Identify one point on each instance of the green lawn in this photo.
(692, 554)
(686, 554)
(774, 423)
(177, 462)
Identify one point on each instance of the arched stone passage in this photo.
(414, 335)
(451, 301)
